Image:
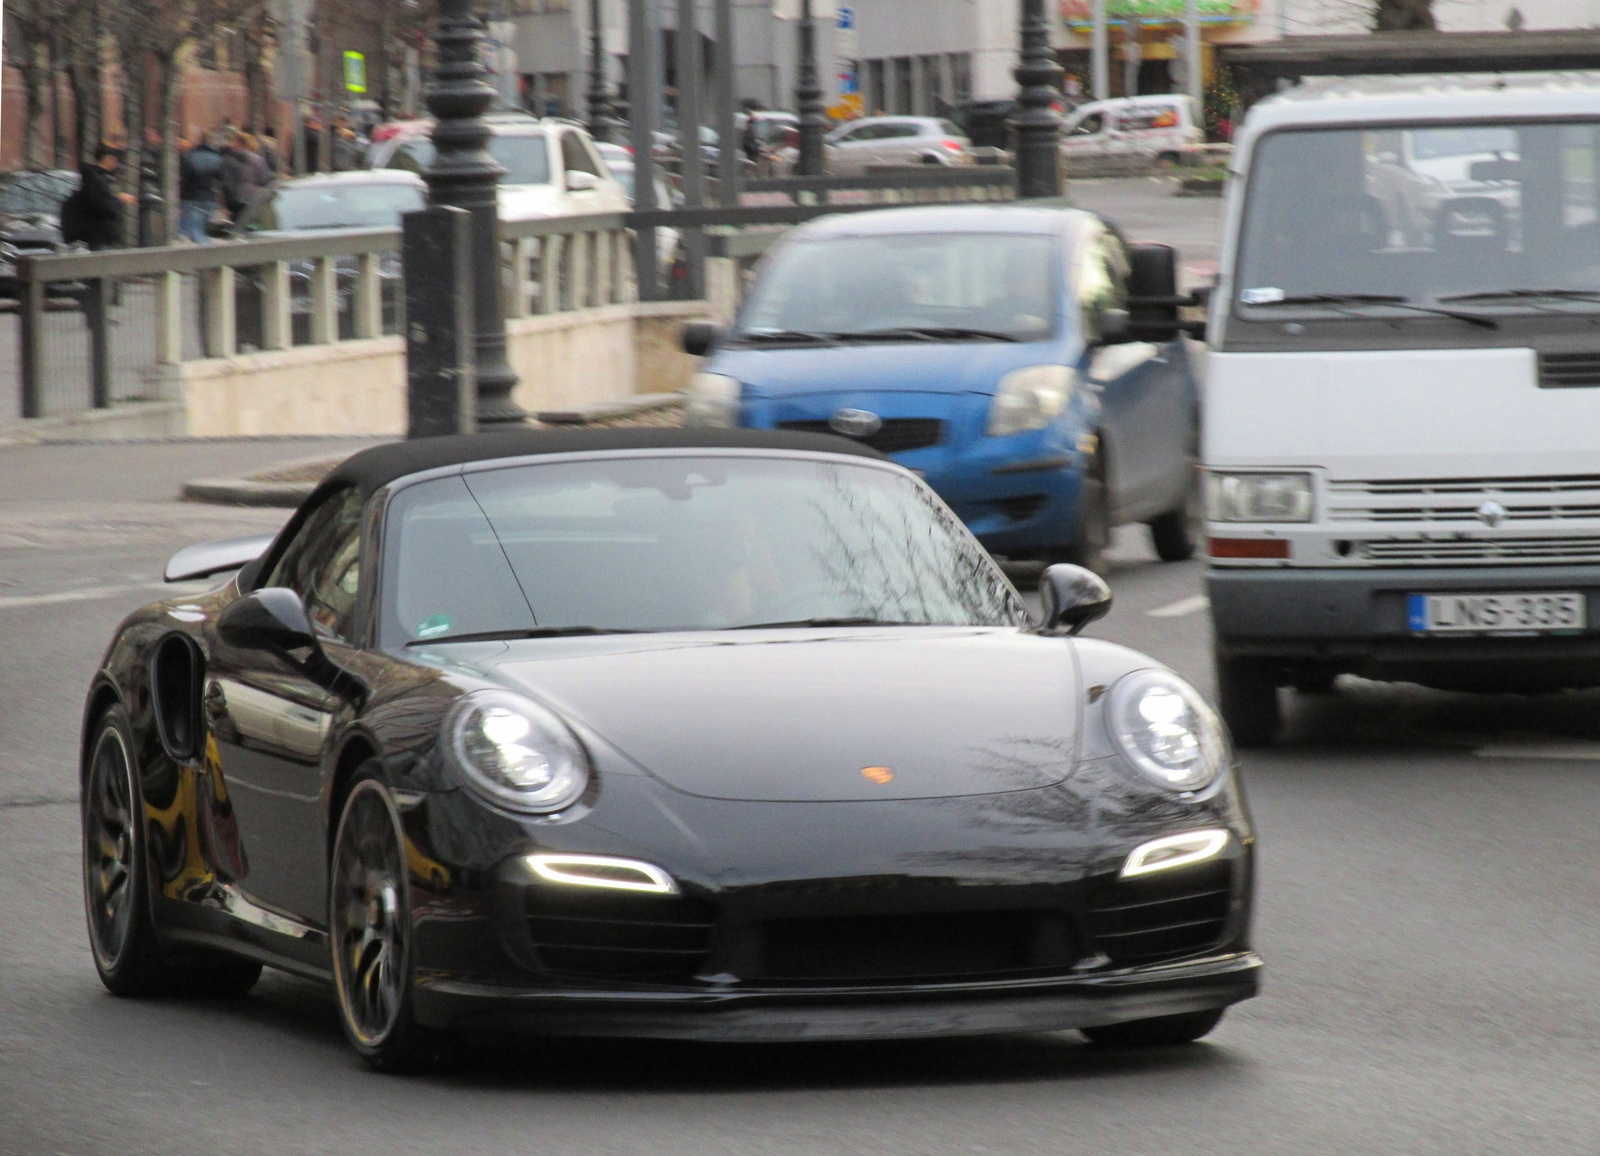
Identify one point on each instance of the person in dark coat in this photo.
(199, 180)
(93, 214)
(269, 149)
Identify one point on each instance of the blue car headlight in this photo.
(713, 401)
(1030, 398)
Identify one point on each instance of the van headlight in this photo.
(1030, 398)
(713, 401)
(515, 752)
(1166, 730)
(1258, 497)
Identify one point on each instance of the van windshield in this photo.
(1506, 215)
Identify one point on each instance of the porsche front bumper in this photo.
(850, 1013)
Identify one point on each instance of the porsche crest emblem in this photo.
(879, 775)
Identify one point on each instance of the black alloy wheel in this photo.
(1247, 695)
(1161, 1032)
(369, 927)
(116, 892)
(1177, 533)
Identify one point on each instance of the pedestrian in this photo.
(257, 175)
(235, 177)
(93, 215)
(311, 133)
(199, 181)
(346, 149)
(269, 149)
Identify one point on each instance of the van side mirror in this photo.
(699, 337)
(1153, 299)
(272, 618)
(1113, 327)
(1072, 597)
(579, 181)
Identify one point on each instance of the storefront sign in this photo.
(1078, 13)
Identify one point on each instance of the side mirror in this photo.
(579, 181)
(1073, 597)
(1153, 299)
(210, 558)
(270, 619)
(1114, 326)
(699, 337)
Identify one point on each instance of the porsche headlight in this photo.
(713, 401)
(1258, 497)
(515, 752)
(1030, 398)
(1166, 730)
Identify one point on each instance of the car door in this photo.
(850, 154)
(1142, 439)
(271, 721)
(575, 158)
(901, 144)
(1087, 137)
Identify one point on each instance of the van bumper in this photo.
(1310, 621)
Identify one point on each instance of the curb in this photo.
(244, 492)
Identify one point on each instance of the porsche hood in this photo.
(820, 715)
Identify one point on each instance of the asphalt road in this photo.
(1427, 912)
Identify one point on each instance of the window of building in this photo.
(933, 97)
(960, 77)
(904, 98)
(877, 87)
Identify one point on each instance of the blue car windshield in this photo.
(680, 543)
(1004, 283)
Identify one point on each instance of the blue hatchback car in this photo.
(1026, 361)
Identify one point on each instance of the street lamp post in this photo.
(808, 95)
(1037, 124)
(463, 174)
(599, 99)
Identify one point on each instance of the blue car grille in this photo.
(895, 436)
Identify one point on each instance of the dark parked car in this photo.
(30, 218)
(699, 734)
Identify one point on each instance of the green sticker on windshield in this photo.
(433, 626)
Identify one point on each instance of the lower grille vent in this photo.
(896, 435)
(1162, 917)
(588, 934)
(898, 948)
(1569, 370)
(1485, 550)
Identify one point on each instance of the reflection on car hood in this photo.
(534, 202)
(923, 367)
(797, 715)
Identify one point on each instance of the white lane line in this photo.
(1541, 748)
(95, 593)
(1182, 608)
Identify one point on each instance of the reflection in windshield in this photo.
(1004, 283)
(680, 543)
(525, 157)
(1423, 213)
(343, 206)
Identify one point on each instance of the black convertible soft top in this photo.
(374, 468)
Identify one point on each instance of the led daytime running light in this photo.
(602, 871)
(1172, 851)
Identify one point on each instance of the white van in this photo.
(1165, 126)
(1402, 407)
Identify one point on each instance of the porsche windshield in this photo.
(679, 543)
(1506, 216)
(999, 283)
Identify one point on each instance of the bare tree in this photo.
(1403, 16)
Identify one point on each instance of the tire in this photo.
(369, 930)
(1247, 694)
(1177, 533)
(116, 885)
(1161, 1032)
(1092, 525)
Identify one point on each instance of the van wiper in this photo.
(1392, 300)
(926, 333)
(784, 337)
(508, 635)
(847, 620)
(1512, 294)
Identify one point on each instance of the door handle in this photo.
(216, 702)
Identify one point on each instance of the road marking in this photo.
(1541, 748)
(94, 593)
(1182, 608)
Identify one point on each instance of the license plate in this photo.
(1539, 612)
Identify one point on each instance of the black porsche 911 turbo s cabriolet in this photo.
(701, 734)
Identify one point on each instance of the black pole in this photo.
(1037, 125)
(463, 174)
(599, 101)
(808, 95)
(692, 165)
(642, 44)
(730, 150)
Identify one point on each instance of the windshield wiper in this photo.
(529, 632)
(847, 620)
(926, 333)
(1512, 294)
(1392, 300)
(784, 337)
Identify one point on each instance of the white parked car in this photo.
(552, 167)
(853, 148)
(1165, 126)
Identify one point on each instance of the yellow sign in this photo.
(355, 73)
(848, 108)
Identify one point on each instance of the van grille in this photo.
(1162, 917)
(1569, 370)
(1457, 500)
(1485, 551)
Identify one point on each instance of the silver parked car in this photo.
(895, 140)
